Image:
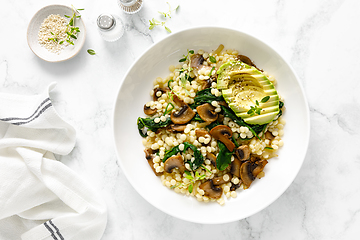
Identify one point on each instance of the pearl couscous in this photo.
(192, 139)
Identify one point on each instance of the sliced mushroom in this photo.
(149, 111)
(235, 167)
(243, 152)
(207, 113)
(268, 135)
(201, 133)
(254, 158)
(206, 84)
(259, 167)
(183, 116)
(210, 190)
(235, 186)
(223, 133)
(246, 174)
(249, 171)
(197, 61)
(174, 162)
(248, 61)
(220, 180)
(177, 128)
(149, 157)
(162, 90)
(212, 158)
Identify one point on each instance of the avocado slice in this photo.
(242, 86)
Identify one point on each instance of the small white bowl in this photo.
(33, 30)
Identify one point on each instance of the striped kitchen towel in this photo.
(34, 186)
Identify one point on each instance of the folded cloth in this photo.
(33, 184)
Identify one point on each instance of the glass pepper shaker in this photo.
(130, 6)
(111, 27)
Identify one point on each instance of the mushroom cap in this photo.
(196, 60)
(243, 152)
(210, 190)
(201, 133)
(248, 61)
(246, 174)
(162, 90)
(149, 157)
(212, 158)
(149, 111)
(174, 162)
(235, 167)
(207, 113)
(177, 128)
(259, 167)
(220, 180)
(269, 135)
(183, 116)
(223, 133)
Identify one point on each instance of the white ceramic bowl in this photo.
(134, 93)
(33, 29)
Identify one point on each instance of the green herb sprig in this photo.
(256, 109)
(193, 179)
(91, 52)
(71, 30)
(166, 15)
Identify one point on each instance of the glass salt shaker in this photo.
(130, 6)
(111, 27)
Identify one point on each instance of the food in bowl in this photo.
(213, 124)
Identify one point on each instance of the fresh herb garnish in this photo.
(168, 110)
(185, 72)
(212, 69)
(91, 52)
(166, 15)
(193, 179)
(257, 109)
(265, 99)
(269, 148)
(71, 30)
(212, 59)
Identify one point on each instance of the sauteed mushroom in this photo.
(207, 113)
(210, 190)
(243, 152)
(149, 111)
(149, 157)
(223, 133)
(174, 162)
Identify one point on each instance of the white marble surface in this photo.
(320, 38)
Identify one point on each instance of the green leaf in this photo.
(212, 59)
(190, 188)
(269, 148)
(257, 103)
(151, 27)
(191, 51)
(91, 52)
(223, 159)
(67, 16)
(80, 9)
(265, 99)
(167, 29)
(182, 60)
(52, 33)
(61, 42)
(212, 69)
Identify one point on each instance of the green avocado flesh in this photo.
(242, 85)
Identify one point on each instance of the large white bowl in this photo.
(134, 93)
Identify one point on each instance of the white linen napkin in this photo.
(33, 184)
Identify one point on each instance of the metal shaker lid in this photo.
(106, 21)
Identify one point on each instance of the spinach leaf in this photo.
(199, 159)
(212, 125)
(197, 118)
(223, 159)
(205, 96)
(150, 124)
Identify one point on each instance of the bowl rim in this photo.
(28, 35)
(307, 118)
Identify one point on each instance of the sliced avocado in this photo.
(242, 86)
